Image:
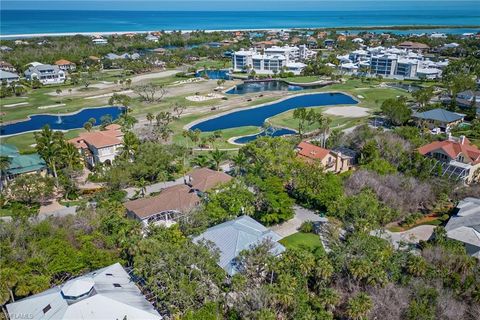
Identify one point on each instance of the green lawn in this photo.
(301, 240)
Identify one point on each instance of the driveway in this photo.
(291, 226)
(412, 236)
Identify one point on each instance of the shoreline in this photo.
(346, 28)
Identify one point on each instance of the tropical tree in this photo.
(423, 96)
(150, 117)
(88, 126)
(121, 100)
(70, 156)
(396, 110)
(130, 146)
(217, 157)
(359, 306)
(49, 147)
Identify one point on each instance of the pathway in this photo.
(412, 236)
(291, 226)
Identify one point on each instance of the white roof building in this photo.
(465, 225)
(107, 293)
(232, 237)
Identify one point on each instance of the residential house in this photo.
(65, 65)
(336, 160)
(329, 43)
(45, 73)
(8, 77)
(107, 293)
(20, 163)
(5, 49)
(173, 202)
(464, 226)
(458, 158)
(164, 208)
(205, 179)
(151, 37)
(414, 46)
(5, 66)
(235, 236)
(100, 41)
(100, 146)
(438, 118)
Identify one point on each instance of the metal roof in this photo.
(465, 225)
(438, 114)
(234, 236)
(107, 293)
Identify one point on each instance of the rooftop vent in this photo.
(76, 288)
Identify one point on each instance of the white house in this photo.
(45, 73)
(99, 41)
(107, 293)
(8, 77)
(100, 146)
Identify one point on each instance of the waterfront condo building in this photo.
(272, 60)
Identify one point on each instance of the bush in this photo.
(307, 227)
(411, 219)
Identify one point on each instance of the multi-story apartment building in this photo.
(274, 59)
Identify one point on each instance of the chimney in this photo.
(462, 139)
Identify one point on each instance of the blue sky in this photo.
(245, 5)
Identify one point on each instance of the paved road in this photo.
(412, 236)
(291, 226)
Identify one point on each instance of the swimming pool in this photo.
(60, 121)
(214, 74)
(256, 116)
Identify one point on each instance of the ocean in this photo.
(461, 13)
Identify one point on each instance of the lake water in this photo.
(60, 121)
(214, 74)
(278, 132)
(253, 87)
(257, 116)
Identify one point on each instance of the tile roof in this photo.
(234, 236)
(99, 139)
(204, 179)
(177, 198)
(107, 293)
(453, 148)
(62, 62)
(413, 45)
(439, 115)
(311, 151)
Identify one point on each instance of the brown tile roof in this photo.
(311, 151)
(177, 198)
(413, 45)
(63, 62)
(453, 148)
(204, 179)
(98, 139)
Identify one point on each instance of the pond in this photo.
(60, 121)
(214, 74)
(274, 132)
(260, 86)
(256, 116)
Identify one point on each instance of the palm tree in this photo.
(88, 126)
(49, 147)
(201, 160)
(217, 157)
(359, 306)
(70, 155)
(330, 298)
(4, 165)
(150, 117)
(142, 185)
(130, 146)
(240, 161)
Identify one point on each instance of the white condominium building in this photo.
(274, 59)
(392, 62)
